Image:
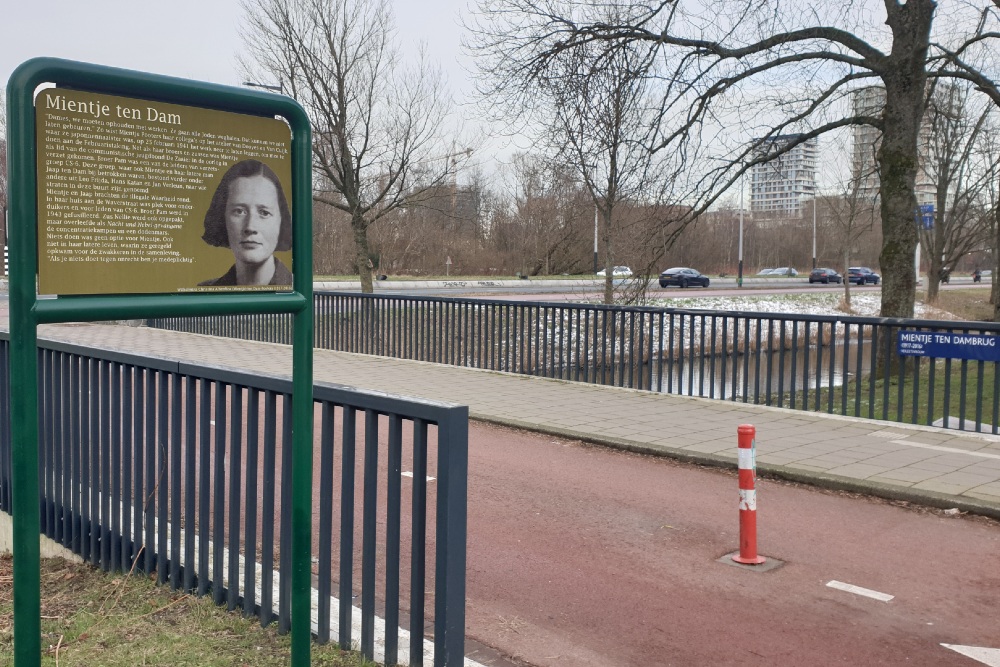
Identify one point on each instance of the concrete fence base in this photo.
(49, 548)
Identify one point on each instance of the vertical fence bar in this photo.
(175, 481)
(191, 386)
(768, 356)
(449, 602)
(996, 398)
(251, 503)
(369, 526)
(724, 361)
(859, 372)
(222, 392)
(116, 467)
(269, 491)
(845, 368)
(285, 527)
(45, 455)
(346, 575)
(136, 449)
(746, 359)
(205, 483)
(831, 367)
(876, 330)
(234, 509)
(66, 457)
(418, 546)
(78, 460)
(162, 478)
(781, 363)
(793, 388)
(149, 498)
(88, 455)
(325, 546)
(392, 539)
(819, 363)
(805, 366)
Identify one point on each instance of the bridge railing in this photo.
(184, 471)
(836, 364)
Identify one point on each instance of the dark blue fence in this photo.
(185, 471)
(835, 364)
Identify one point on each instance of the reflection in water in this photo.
(753, 377)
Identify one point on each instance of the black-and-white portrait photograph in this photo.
(249, 214)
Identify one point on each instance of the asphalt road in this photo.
(572, 291)
(580, 555)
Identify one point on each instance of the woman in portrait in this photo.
(250, 216)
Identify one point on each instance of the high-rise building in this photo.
(785, 185)
(870, 101)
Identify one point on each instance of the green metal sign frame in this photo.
(27, 311)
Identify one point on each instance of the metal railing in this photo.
(840, 365)
(185, 471)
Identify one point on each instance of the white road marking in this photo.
(987, 656)
(858, 590)
(950, 450)
(408, 473)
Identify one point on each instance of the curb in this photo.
(767, 471)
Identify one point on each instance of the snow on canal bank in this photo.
(826, 303)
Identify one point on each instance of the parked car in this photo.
(764, 272)
(825, 276)
(784, 271)
(682, 277)
(862, 275)
(620, 271)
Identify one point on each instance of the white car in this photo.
(621, 271)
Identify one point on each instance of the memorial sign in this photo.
(974, 347)
(137, 196)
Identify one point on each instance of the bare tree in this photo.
(766, 69)
(851, 215)
(961, 170)
(591, 108)
(378, 124)
(548, 212)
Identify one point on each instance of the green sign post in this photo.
(129, 194)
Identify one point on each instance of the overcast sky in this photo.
(195, 39)
(198, 39)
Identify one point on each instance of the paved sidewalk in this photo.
(933, 466)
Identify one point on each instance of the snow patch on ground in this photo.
(825, 303)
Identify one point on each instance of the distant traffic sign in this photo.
(925, 216)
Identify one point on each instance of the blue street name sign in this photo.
(925, 216)
(975, 347)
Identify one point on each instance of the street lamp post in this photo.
(739, 275)
(814, 232)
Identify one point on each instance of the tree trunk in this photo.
(609, 258)
(933, 276)
(363, 257)
(904, 76)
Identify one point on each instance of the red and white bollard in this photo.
(748, 497)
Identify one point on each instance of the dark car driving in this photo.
(862, 275)
(682, 277)
(825, 276)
